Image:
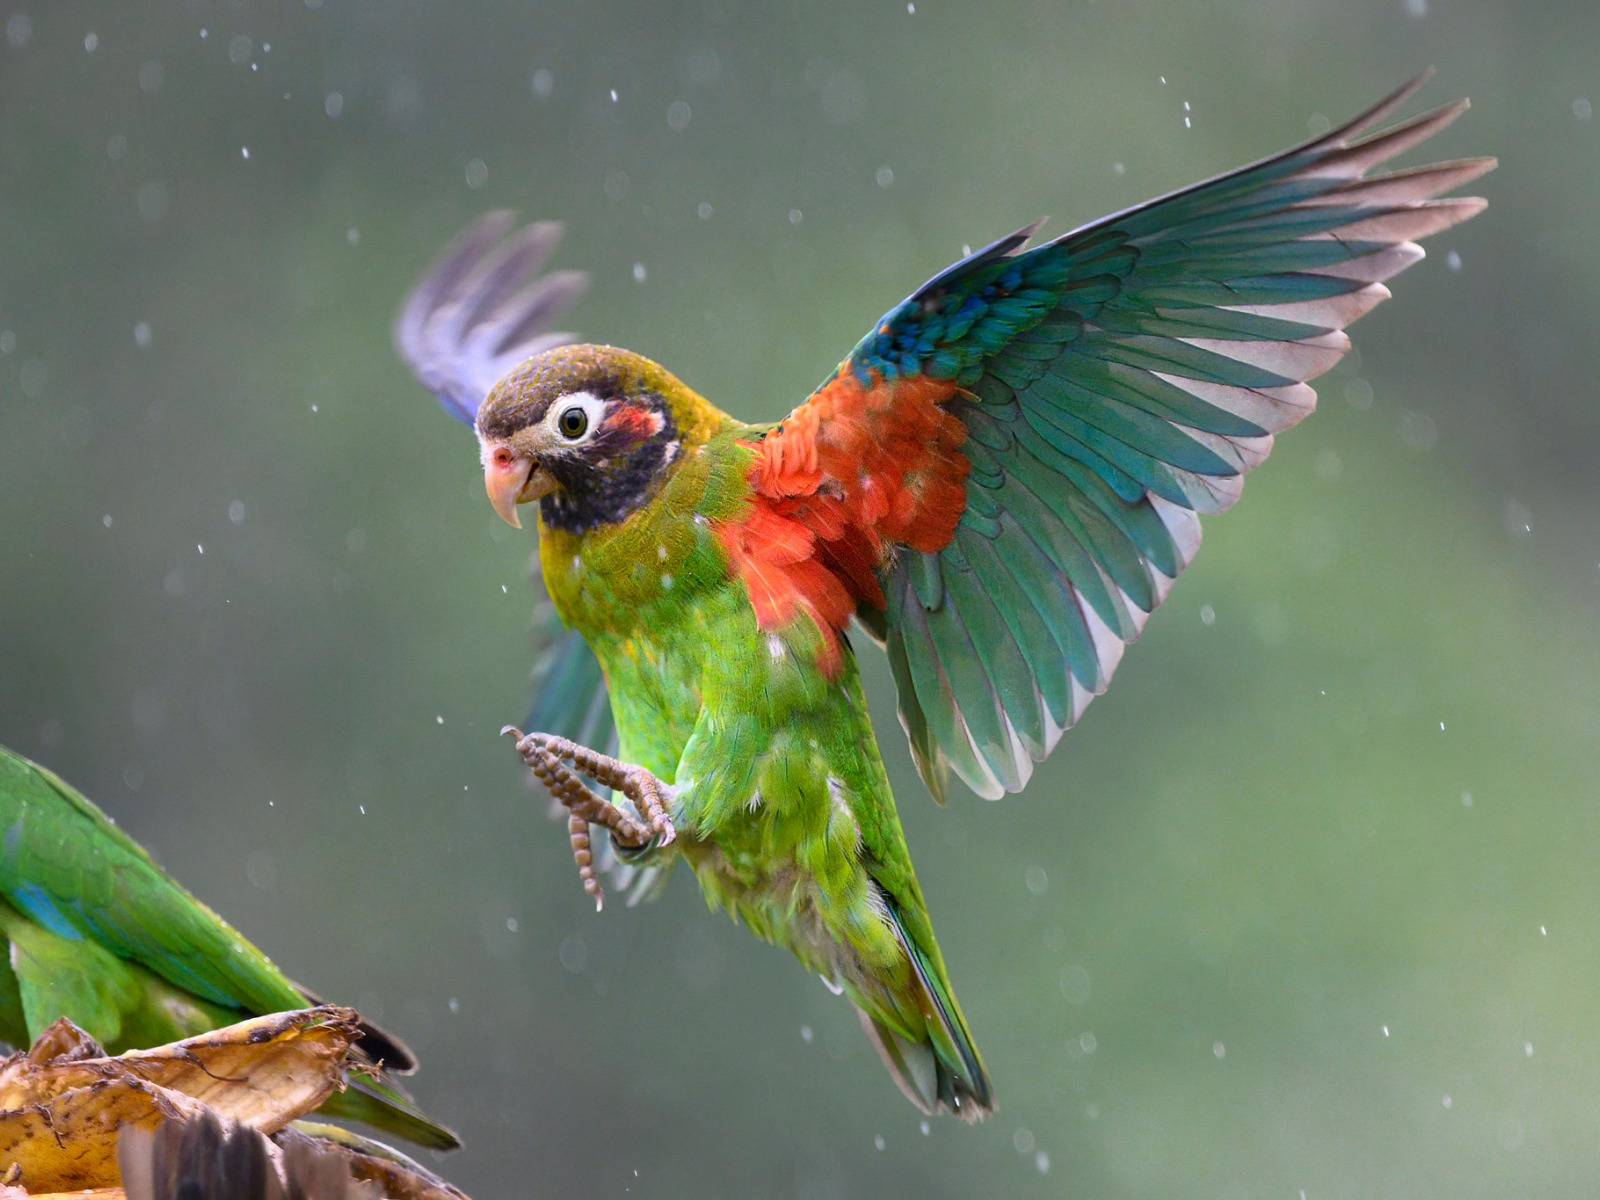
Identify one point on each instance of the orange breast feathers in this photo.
(853, 473)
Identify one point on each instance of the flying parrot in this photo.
(95, 931)
(998, 484)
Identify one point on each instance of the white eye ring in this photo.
(592, 408)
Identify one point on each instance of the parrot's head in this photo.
(590, 431)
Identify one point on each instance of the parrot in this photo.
(95, 931)
(997, 485)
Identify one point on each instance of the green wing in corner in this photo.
(94, 930)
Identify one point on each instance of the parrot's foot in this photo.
(557, 761)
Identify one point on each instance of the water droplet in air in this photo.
(333, 103)
(1219, 1049)
(1582, 109)
(477, 174)
(878, 1141)
(91, 40)
(884, 176)
(678, 116)
(236, 512)
(1208, 615)
(1453, 261)
(703, 210)
(639, 273)
(542, 82)
(794, 216)
(141, 334)
(1022, 1139)
(239, 50)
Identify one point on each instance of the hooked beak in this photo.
(512, 479)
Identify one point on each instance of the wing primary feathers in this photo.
(474, 314)
(1110, 384)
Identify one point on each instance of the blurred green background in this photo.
(1305, 908)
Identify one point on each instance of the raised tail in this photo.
(940, 1071)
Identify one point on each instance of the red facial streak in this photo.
(853, 472)
(637, 423)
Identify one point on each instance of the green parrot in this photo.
(998, 485)
(96, 932)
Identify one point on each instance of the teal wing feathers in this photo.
(1115, 383)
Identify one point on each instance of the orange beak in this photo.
(512, 479)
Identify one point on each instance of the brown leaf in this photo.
(60, 1115)
(398, 1176)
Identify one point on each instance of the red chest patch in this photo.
(854, 472)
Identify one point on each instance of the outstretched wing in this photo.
(475, 313)
(1003, 479)
(471, 318)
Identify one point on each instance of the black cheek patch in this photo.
(616, 472)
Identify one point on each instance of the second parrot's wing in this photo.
(475, 314)
(71, 871)
(1003, 479)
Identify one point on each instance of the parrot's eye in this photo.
(573, 423)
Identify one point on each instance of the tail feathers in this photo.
(940, 1071)
(381, 1046)
(380, 1102)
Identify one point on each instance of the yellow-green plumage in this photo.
(791, 824)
